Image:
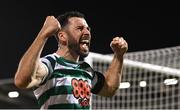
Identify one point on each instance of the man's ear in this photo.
(62, 38)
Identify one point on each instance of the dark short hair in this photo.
(63, 18)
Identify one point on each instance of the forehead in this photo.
(78, 21)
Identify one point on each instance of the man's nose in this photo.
(86, 32)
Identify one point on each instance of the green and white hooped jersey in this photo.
(68, 85)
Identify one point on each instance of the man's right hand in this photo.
(51, 26)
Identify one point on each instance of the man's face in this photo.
(79, 36)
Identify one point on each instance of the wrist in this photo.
(119, 56)
(44, 34)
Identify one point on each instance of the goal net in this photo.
(150, 80)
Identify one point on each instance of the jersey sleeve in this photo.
(97, 82)
(49, 61)
(44, 69)
(38, 76)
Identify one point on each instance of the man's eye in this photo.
(80, 28)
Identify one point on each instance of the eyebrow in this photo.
(85, 27)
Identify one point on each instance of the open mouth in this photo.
(84, 43)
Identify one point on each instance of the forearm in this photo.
(114, 72)
(28, 63)
(113, 76)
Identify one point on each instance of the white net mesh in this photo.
(150, 80)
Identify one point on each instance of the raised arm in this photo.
(114, 71)
(30, 62)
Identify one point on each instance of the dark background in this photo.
(144, 25)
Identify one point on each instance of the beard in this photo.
(75, 48)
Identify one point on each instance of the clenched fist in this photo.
(119, 46)
(51, 26)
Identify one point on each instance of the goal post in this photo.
(150, 80)
(135, 64)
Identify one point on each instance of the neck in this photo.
(66, 54)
